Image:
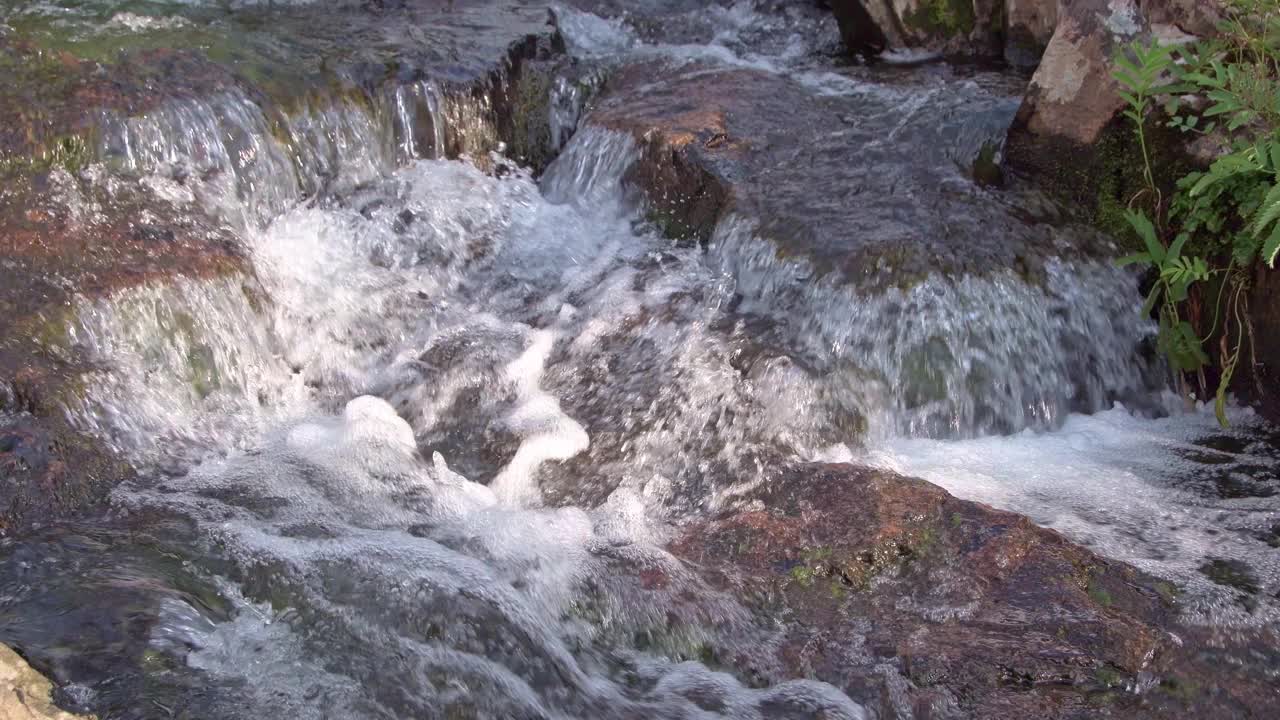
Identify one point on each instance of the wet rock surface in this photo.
(72, 69)
(91, 92)
(855, 186)
(355, 573)
(24, 693)
(68, 239)
(953, 27)
(951, 608)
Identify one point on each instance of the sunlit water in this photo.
(409, 455)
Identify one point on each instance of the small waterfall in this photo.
(222, 146)
(185, 367)
(419, 130)
(249, 163)
(590, 170)
(952, 357)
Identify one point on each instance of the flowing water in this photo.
(394, 472)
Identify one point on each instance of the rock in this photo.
(951, 27)
(861, 34)
(1072, 94)
(1264, 304)
(78, 221)
(848, 184)
(1029, 27)
(24, 693)
(1072, 100)
(918, 603)
(64, 237)
(1069, 137)
(1018, 31)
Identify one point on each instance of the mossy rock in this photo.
(941, 18)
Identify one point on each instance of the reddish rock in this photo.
(836, 184)
(918, 602)
(63, 236)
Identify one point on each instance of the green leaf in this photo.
(1176, 248)
(1152, 298)
(1220, 404)
(1271, 247)
(1220, 109)
(1147, 232)
(1126, 79)
(1134, 258)
(1268, 211)
(1240, 119)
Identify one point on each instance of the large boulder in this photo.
(920, 604)
(849, 185)
(1068, 131)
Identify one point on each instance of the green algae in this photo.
(945, 18)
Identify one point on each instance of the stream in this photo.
(390, 470)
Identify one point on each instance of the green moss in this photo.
(802, 575)
(1167, 591)
(945, 18)
(837, 590)
(71, 152)
(1108, 676)
(530, 119)
(1180, 689)
(923, 371)
(1099, 594)
(986, 167)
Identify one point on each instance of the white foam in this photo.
(1131, 488)
(546, 432)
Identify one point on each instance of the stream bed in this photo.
(392, 466)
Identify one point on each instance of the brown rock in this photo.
(24, 693)
(64, 236)
(1072, 94)
(980, 610)
(916, 602)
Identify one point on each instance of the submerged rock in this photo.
(924, 605)
(24, 693)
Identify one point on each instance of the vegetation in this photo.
(1205, 241)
